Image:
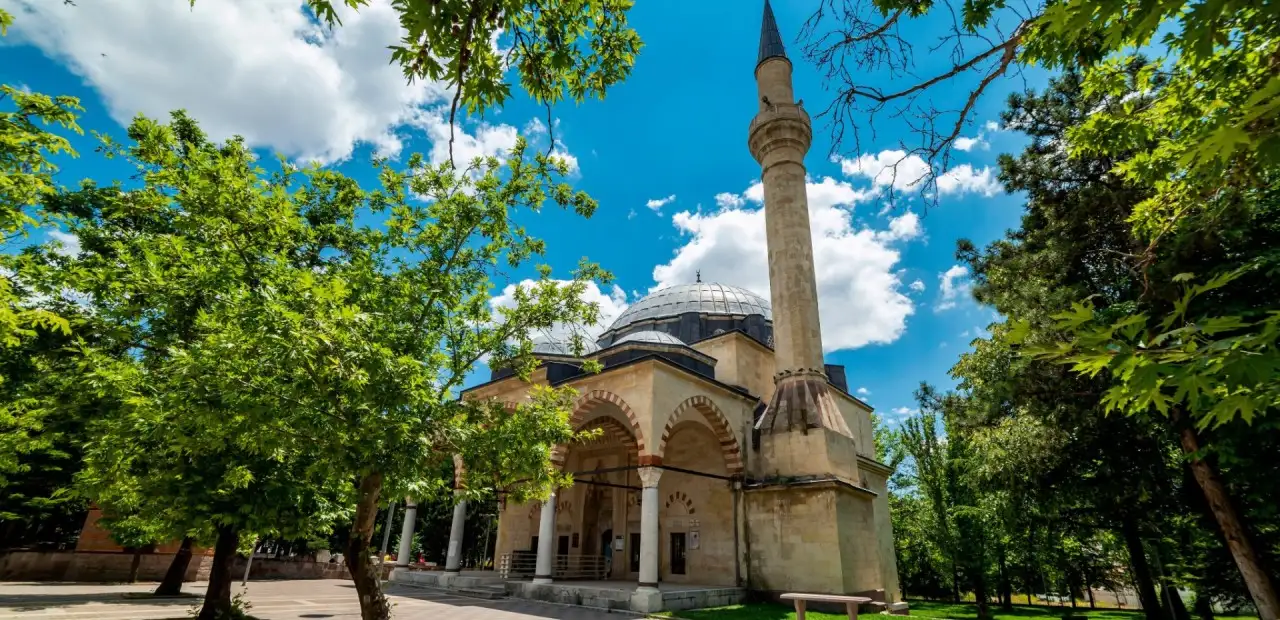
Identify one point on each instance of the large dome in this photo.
(702, 297)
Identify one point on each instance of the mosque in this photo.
(731, 455)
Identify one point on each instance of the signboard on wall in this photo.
(693, 539)
(618, 544)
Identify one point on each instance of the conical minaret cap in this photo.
(770, 40)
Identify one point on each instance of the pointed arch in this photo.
(719, 425)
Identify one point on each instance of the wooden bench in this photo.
(800, 600)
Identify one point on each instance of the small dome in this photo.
(651, 337)
(545, 345)
(701, 297)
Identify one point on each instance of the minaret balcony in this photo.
(781, 128)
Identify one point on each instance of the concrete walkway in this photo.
(270, 600)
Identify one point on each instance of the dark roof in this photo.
(770, 40)
(651, 337)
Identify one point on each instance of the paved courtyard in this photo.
(271, 600)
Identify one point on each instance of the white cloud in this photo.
(65, 243)
(968, 144)
(726, 200)
(902, 228)
(658, 203)
(263, 69)
(888, 168)
(963, 179)
(917, 286)
(902, 412)
(859, 288)
(992, 126)
(611, 305)
(952, 284)
(902, 171)
(484, 141)
(863, 391)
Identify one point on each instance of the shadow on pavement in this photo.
(508, 605)
(37, 601)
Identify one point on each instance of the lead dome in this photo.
(702, 297)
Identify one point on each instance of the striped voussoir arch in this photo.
(719, 425)
(614, 431)
(590, 403)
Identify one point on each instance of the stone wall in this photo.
(271, 568)
(88, 566)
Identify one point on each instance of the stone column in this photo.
(546, 541)
(406, 532)
(649, 527)
(453, 558)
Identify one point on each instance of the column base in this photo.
(541, 580)
(646, 599)
(452, 573)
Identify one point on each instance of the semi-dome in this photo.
(701, 297)
(650, 337)
(546, 345)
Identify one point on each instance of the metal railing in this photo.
(522, 564)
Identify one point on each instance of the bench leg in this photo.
(852, 608)
(799, 609)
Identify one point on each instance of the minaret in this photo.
(779, 137)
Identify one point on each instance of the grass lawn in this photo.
(920, 609)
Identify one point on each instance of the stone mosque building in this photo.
(731, 455)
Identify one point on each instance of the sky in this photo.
(664, 153)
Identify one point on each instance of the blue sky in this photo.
(665, 154)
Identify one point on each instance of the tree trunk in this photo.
(134, 565)
(1176, 603)
(1092, 603)
(1141, 570)
(373, 604)
(217, 597)
(1006, 589)
(1203, 605)
(980, 594)
(1232, 525)
(955, 582)
(171, 585)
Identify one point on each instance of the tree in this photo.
(278, 350)
(26, 175)
(1078, 241)
(1213, 123)
(37, 450)
(562, 49)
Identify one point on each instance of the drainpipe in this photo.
(734, 488)
(746, 522)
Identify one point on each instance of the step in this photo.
(485, 592)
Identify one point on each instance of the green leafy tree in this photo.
(1077, 241)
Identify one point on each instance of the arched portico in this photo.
(705, 408)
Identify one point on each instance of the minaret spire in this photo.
(779, 137)
(770, 40)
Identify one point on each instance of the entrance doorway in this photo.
(562, 553)
(634, 551)
(677, 553)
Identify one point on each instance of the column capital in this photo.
(649, 476)
(409, 502)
